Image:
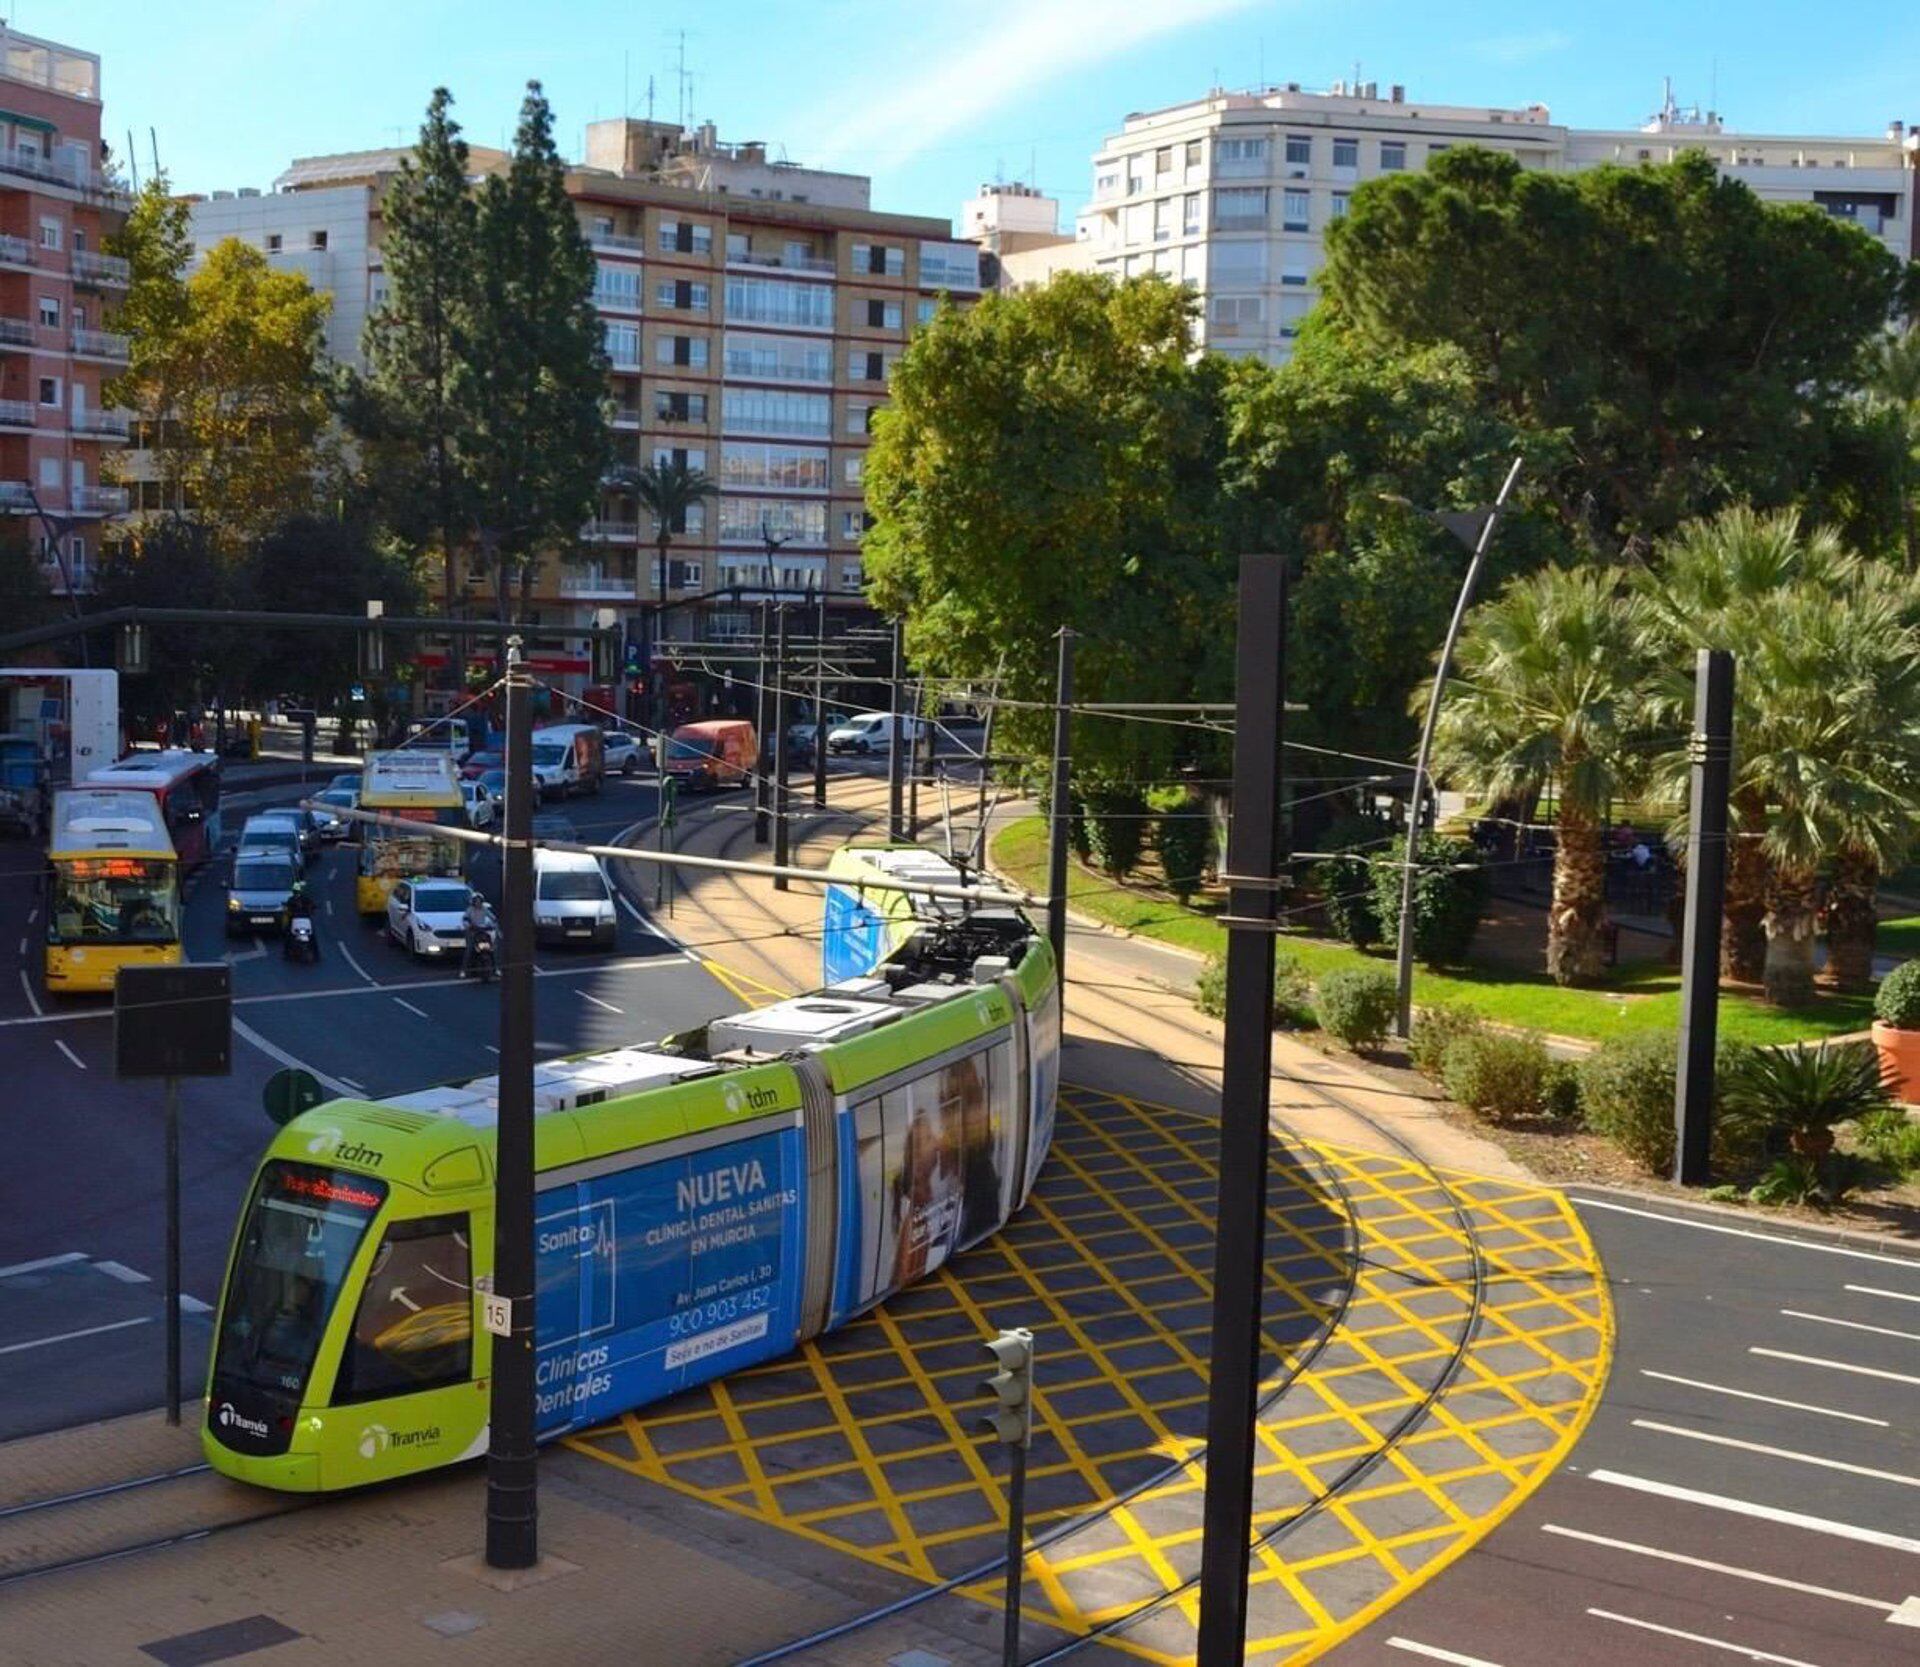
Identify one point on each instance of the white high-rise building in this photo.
(1233, 192)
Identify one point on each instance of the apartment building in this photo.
(1233, 192)
(57, 287)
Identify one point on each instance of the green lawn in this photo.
(1899, 937)
(1644, 996)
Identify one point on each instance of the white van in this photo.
(572, 901)
(568, 758)
(872, 732)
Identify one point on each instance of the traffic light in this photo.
(131, 651)
(1011, 1386)
(606, 646)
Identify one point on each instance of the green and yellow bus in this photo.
(703, 1204)
(423, 787)
(113, 896)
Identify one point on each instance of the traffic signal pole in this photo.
(1254, 852)
(896, 814)
(1711, 750)
(1010, 1420)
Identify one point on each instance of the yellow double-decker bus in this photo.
(422, 787)
(113, 888)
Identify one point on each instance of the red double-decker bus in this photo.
(187, 784)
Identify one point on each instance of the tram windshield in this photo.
(303, 1230)
(114, 900)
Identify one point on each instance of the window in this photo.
(883, 315)
(413, 1329)
(1240, 156)
(1435, 150)
(1232, 264)
(690, 351)
(879, 259)
(622, 342)
(853, 469)
(1163, 219)
(49, 390)
(1346, 153)
(1104, 185)
(1163, 160)
(777, 301)
(682, 457)
(776, 411)
(49, 474)
(1393, 155)
(1235, 310)
(756, 467)
(1293, 308)
(684, 237)
(1136, 177)
(684, 575)
(859, 419)
(675, 407)
(1299, 147)
(49, 312)
(1193, 153)
(49, 233)
(853, 523)
(274, 241)
(866, 367)
(681, 295)
(1294, 272)
(748, 520)
(1239, 207)
(1190, 214)
(779, 359)
(617, 287)
(924, 310)
(316, 240)
(1337, 209)
(1294, 211)
(602, 227)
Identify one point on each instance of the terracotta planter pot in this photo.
(1899, 1060)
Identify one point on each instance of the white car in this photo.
(623, 752)
(428, 917)
(871, 732)
(481, 809)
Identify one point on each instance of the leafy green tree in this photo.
(1052, 458)
(538, 445)
(1449, 896)
(420, 368)
(177, 563)
(1548, 673)
(1893, 388)
(666, 491)
(1617, 310)
(156, 241)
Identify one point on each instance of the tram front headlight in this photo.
(234, 905)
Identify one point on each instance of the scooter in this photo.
(483, 956)
(298, 942)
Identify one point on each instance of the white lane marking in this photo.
(78, 1062)
(274, 1051)
(1771, 1400)
(597, 1002)
(1834, 1365)
(490, 1048)
(1434, 1653)
(1775, 1452)
(193, 1305)
(1717, 1568)
(26, 984)
(59, 1261)
(1748, 1233)
(634, 963)
(340, 944)
(1745, 1650)
(123, 1273)
(1850, 1325)
(69, 1336)
(253, 954)
(1875, 1291)
(1765, 1513)
(357, 1087)
(401, 1001)
(32, 916)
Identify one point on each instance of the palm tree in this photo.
(1893, 385)
(1547, 676)
(666, 491)
(1716, 583)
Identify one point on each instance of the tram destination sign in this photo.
(173, 1021)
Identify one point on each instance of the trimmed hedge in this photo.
(1435, 1029)
(1449, 896)
(1356, 1006)
(1184, 837)
(1503, 1078)
(1898, 1000)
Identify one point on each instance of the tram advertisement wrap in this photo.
(661, 1276)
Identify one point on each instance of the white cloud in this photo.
(1013, 49)
(1522, 48)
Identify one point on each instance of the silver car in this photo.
(258, 892)
(428, 917)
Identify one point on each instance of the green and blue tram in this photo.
(702, 1205)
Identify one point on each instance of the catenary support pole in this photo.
(762, 705)
(512, 1482)
(896, 812)
(820, 703)
(1711, 749)
(1060, 803)
(781, 828)
(173, 1250)
(915, 760)
(1254, 857)
(1403, 958)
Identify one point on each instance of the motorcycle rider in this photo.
(479, 922)
(300, 905)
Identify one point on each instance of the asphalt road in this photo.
(82, 1207)
(1747, 1489)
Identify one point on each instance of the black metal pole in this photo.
(173, 1250)
(781, 830)
(820, 706)
(1711, 749)
(512, 1482)
(1016, 1554)
(1060, 806)
(1254, 854)
(914, 762)
(896, 811)
(761, 796)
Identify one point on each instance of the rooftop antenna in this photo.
(133, 160)
(649, 100)
(681, 76)
(1713, 86)
(153, 140)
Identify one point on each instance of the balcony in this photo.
(16, 498)
(106, 425)
(592, 585)
(23, 332)
(608, 299)
(611, 532)
(90, 267)
(17, 251)
(97, 500)
(626, 417)
(99, 344)
(759, 260)
(618, 241)
(17, 413)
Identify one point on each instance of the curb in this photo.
(1781, 1226)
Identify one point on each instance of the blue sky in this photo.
(933, 96)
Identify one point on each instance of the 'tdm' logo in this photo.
(372, 1439)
